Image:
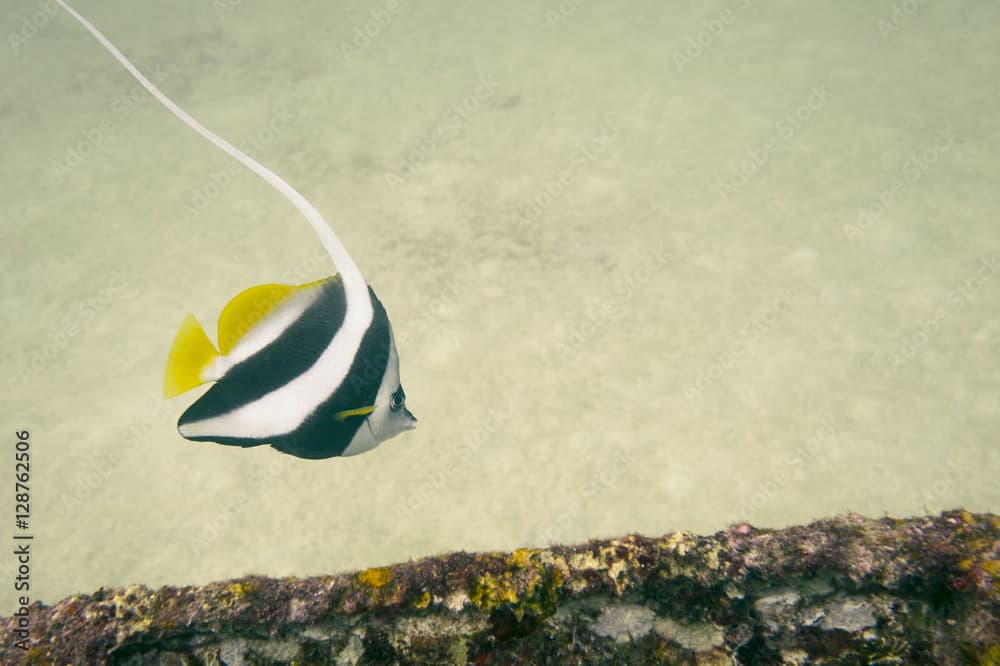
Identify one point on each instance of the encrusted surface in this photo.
(843, 590)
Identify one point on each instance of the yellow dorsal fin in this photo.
(190, 354)
(250, 307)
(360, 411)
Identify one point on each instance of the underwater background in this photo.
(650, 267)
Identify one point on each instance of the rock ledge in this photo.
(844, 590)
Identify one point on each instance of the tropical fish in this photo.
(311, 369)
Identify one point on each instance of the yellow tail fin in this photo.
(190, 354)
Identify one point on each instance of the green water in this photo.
(650, 268)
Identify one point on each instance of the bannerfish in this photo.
(311, 370)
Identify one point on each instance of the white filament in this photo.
(355, 288)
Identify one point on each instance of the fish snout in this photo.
(411, 420)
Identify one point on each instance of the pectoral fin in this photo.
(360, 411)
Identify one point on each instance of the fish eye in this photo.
(397, 399)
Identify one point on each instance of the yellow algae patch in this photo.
(615, 572)
(992, 567)
(378, 577)
(488, 591)
(239, 590)
(992, 656)
(586, 561)
(547, 560)
(712, 559)
(423, 601)
(537, 596)
(967, 518)
(557, 578)
(679, 542)
(521, 557)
